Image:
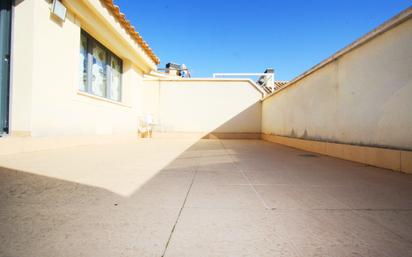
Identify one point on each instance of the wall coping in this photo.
(178, 79)
(386, 26)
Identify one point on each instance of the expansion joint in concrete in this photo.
(249, 183)
(180, 213)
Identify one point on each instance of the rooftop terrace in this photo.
(189, 197)
(78, 178)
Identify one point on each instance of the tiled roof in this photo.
(115, 10)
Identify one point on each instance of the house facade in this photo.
(77, 75)
(84, 74)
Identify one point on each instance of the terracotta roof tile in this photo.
(115, 10)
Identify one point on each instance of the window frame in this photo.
(90, 41)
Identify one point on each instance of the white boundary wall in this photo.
(363, 97)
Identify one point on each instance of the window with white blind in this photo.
(100, 69)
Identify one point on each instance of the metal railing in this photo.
(265, 80)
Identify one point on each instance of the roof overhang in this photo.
(95, 17)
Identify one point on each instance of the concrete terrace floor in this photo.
(165, 197)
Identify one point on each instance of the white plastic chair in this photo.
(145, 127)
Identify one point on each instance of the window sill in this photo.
(85, 94)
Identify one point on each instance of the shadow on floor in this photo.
(217, 198)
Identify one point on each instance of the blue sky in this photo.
(250, 35)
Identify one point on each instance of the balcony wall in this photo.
(362, 98)
(206, 106)
(355, 105)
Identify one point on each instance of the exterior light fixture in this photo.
(59, 10)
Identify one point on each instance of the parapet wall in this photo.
(363, 97)
(211, 106)
(356, 105)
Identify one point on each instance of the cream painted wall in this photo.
(46, 61)
(204, 105)
(47, 102)
(364, 97)
(22, 51)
